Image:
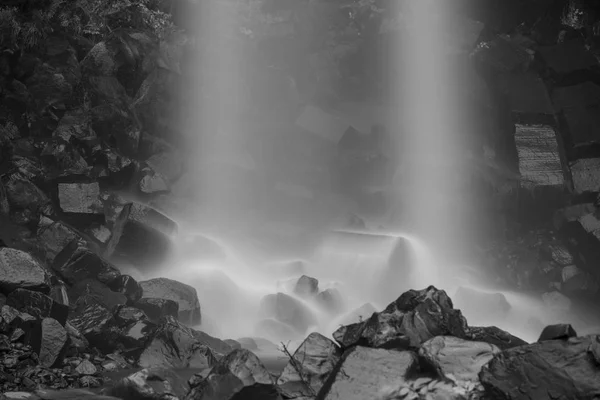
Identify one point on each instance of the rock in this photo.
(153, 183)
(247, 343)
(174, 345)
(494, 335)
(54, 236)
(558, 253)
(23, 194)
(415, 317)
(76, 263)
(80, 198)
(70, 394)
(128, 287)
(234, 344)
(19, 270)
(12, 319)
(91, 320)
(97, 291)
(306, 286)
(78, 342)
(363, 372)
(457, 358)
(86, 368)
(562, 368)
(185, 296)
(288, 310)
(156, 309)
(557, 332)
(556, 301)
(331, 301)
(149, 383)
(54, 342)
(38, 305)
(240, 374)
(315, 359)
(481, 305)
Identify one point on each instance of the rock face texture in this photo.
(185, 296)
(19, 270)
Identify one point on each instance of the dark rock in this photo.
(127, 286)
(314, 360)
(184, 295)
(58, 291)
(20, 270)
(54, 236)
(306, 286)
(97, 291)
(54, 342)
(156, 309)
(562, 368)
(149, 384)
(331, 300)
(479, 305)
(78, 343)
(363, 372)
(91, 320)
(288, 310)
(557, 332)
(240, 374)
(174, 345)
(76, 263)
(568, 57)
(457, 358)
(37, 304)
(80, 198)
(70, 394)
(126, 315)
(494, 335)
(23, 194)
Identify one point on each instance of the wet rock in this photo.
(12, 319)
(53, 343)
(560, 367)
(91, 320)
(97, 291)
(156, 309)
(415, 317)
(149, 383)
(494, 335)
(288, 310)
(127, 286)
(557, 332)
(173, 345)
(306, 286)
(23, 194)
(457, 358)
(78, 343)
(54, 236)
(314, 360)
(76, 263)
(20, 270)
(80, 198)
(363, 372)
(240, 374)
(479, 305)
(125, 315)
(184, 295)
(38, 305)
(86, 368)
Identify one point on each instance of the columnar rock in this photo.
(310, 366)
(184, 295)
(19, 270)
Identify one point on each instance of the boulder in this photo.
(76, 263)
(494, 335)
(310, 365)
(38, 305)
(481, 305)
(149, 383)
(456, 358)
(363, 372)
(415, 317)
(331, 301)
(152, 182)
(23, 194)
(156, 309)
(184, 295)
(288, 310)
(98, 291)
(556, 368)
(91, 320)
(53, 343)
(306, 286)
(241, 375)
(19, 270)
(86, 368)
(80, 198)
(54, 236)
(557, 332)
(174, 345)
(128, 287)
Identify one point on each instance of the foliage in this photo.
(22, 26)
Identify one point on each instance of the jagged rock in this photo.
(62, 159)
(557, 332)
(20, 270)
(494, 335)
(153, 183)
(314, 360)
(91, 320)
(23, 194)
(149, 384)
(86, 368)
(185, 296)
(331, 300)
(156, 309)
(38, 305)
(53, 343)
(11, 319)
(415, 317)
(173, 345)
(76, 263)
(78, 342)
(306, 286)
(54, 236)
(240, 374)
(81, 198)
(125, 315)
(76, 124)
(457, 358)
(97, 291)
(477, 304)
(288, 310)
(562, 368)
(127, 286)
(363, 372)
